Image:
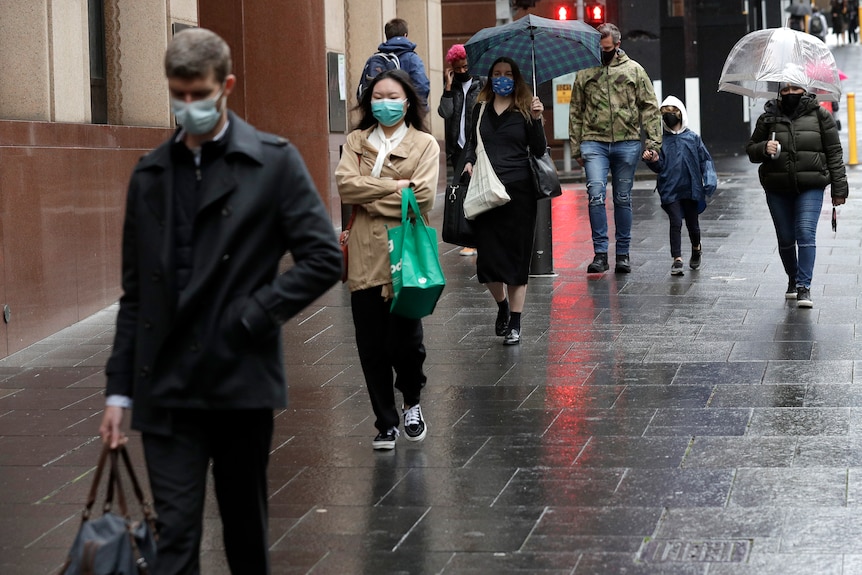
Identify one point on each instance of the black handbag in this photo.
(457, 229)
(113, 544)
(545, 176)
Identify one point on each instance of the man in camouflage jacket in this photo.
(609, 105)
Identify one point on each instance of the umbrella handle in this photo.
(778, 151)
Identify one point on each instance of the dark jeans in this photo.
(676, 212)
(237, 442)
(391, 353)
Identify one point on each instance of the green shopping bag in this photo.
(417, 278)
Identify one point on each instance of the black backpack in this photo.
(379, 62)
(815, 25)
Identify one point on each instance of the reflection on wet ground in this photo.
(646, 423)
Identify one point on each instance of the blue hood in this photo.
(397, 45)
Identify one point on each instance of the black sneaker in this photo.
(513, 337)
(599, 265)
(676, 268)
(623, 265)
(694, 262)
(501, 326)
(803, 297)
(385, 439)
(791, 289)
(414, 424)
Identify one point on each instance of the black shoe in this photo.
(385, 439)
(623, 266)
(676, 268)
(803, 297)
(599, 265)
(414, 424)
(513, 337)
(501, 326)
(791, 289)
(694, 262)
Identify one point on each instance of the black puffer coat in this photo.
(811, 156)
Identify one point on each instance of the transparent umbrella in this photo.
(764, 58)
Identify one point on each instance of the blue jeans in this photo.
(795, 219)
(622, 159)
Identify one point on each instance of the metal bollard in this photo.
(542, 263)
(851, 129)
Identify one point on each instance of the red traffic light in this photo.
(595, 14)
(563, 12)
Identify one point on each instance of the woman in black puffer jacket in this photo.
(797, 146)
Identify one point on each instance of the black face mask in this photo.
(789, 103)
(608, 57)
(462, 77)
(670, 119)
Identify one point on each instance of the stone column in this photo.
(25, 91)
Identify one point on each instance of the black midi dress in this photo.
(504, 235)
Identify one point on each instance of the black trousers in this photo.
(676, 212)
(238, 443)
(387, 343)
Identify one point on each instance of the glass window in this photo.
(98, 66)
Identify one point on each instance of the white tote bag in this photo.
(485, 191)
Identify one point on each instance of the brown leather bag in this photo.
(342, 240)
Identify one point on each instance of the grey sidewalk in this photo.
(646, 424)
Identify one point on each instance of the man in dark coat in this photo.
(197, 352)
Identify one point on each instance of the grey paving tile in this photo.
(815, 530)
(694, 421)
(786, 487)
(746, 451)
(800, 421)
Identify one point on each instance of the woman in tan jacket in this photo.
(389, 150)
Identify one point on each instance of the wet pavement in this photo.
(647, 424)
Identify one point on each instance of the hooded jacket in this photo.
(410, 62)
(811, 156)
(377, 201)
(684, 167)
(610, 103)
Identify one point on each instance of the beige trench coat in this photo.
(378, 200)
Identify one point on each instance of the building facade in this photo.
(83, 96)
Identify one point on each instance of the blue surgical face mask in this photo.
(198, 117)
(502, 85)
(388, 112)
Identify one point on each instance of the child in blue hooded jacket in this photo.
(686, 176)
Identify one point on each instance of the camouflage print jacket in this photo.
(609, 104)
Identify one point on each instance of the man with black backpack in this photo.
(817, 24)
(396, 53)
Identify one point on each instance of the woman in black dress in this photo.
(511, 128)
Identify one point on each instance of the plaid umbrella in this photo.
(543, 48)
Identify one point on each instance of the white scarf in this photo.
(385, 146)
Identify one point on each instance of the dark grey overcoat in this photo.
(218, 345)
